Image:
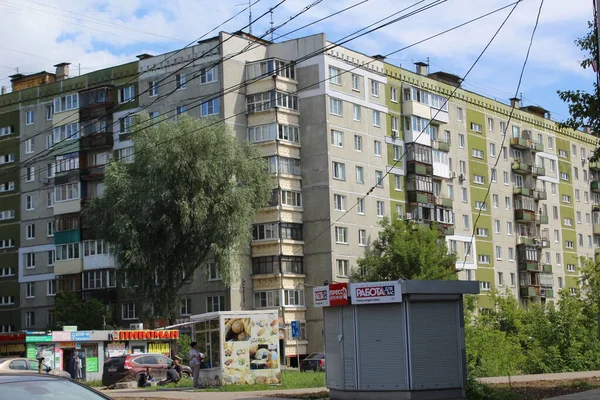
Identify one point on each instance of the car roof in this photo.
(29, 377)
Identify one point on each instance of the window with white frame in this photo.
(210, 107)
(30, 290)
(374, 88)
(128, 311)
(376, 118)
(356, 82)
(294, 298)
(7, 214)
(7, 243)
(29, 260)
(208, 75)
(459, 114)
(479, 179)
(379, 179)
(30, 229)
(476, 127)
(66, 192)
(30, 174)
(29, 117)
(335, 107)
(398, 182)
(29, 146)
(29, 319)
(360, 175)
(356, 112)
(185, 307)
(343, 267)
(7, 130)
(265, 231)
(483, 259)
(51, 287)
(478, 153)
(153, 88)
(360, 206)
(335, 75)
(215, 303)
(69, 251)
(51, 255)
(394, 94)
(125, 94)
(291, 198)
(362, 237)
(482, 232)
(180, 81)
(339, 202)
(7, 300)
(380, 208)
(377, 148)
(50, 228)
(339, 170)
(337, 138)
(213, 272)
(7, 158)
(264, 299)
(341, 234)
(358, 142)
(94, 248)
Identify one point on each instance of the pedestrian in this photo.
(40, 357)
(78, 367)
(196, 358)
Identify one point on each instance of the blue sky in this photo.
(92, 34)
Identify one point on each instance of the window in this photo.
(577, 197)
(208, 75)
(485, 286)
(30, 174)
(341, 235)
(478, 153)
(339, 170)
(259, 102)
(264, 299)
(7, 300)
(294, 298)
(357, 142)
(7, 243)
(126, 123)
(479, 179)
(343, 267)
(570, 267)
(360, 175)
(30, 231)
(509, 228)
(356, 82)
(459, 114)
(287, 100)
(66, 192)
(180, 81)
(181, 110)
(563, 154)
(466, 222)
(379, 179)
(376, 118)
(374, 88)
(560, 282)
(29, 260)
(66, 103)
(29, 117)
(483, 259)
(506, 177)
(29, 319)
(464, 195)
(492, 149)
(7, 214)
(480, 205)
(461, 140)
(397, 152)
(94, 248)
(125, 94)
(68, 251)
(210, 107)
(380, 208)
(128, 311)
(337, 138)
(398, 184)
(394, 94)
(50, 228)
(29, 203)
(51, 287)
(490, 122)
(68, 162)
(30, 290)
(511, 255)
(497, 226)
(482, 232)
(467, 248)
(556, 235)
(575, 173)
(558, 258)
(290, 198)
(500, 279)
(335, 75)
(185, 307)
(495, 200)
(377, 148)
(564, 176)
(362, 237)
(394, 125)
(7, 130)
(29, 146)
(126, 154)
(566, 198)
(360, 206)
(265, 232)
(569, 244)
(7, 271)
(579, 217)
(51, 257)
(335, 107)
(356, 112)
(153, 88)
(339, 202)
(289, 133)
(476, 127)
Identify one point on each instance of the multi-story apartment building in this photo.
(349, 139)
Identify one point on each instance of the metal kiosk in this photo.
(395, 340)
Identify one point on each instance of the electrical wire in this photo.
(489, 187)
(341, 73)
(306, 57)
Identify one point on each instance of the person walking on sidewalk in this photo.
(196, 359)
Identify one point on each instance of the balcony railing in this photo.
(98, 141)
(537, 171)
(93, 172)
(520, 143)
(520, 167)
(595, 186)
(595, 165)
(440, 144)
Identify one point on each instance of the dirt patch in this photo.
(540, 390)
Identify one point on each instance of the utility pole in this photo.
(250, 16)
(597, 55)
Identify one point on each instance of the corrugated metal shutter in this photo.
(435, 361)
(349, 349)
(382, 331)
(333, 365)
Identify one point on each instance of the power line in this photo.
(345, 72)
(306, 57)
(487, 193)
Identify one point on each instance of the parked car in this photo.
(130, 367)
(26, 365)
(24, 386)
(314, 362)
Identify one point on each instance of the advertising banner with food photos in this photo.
(250, 348)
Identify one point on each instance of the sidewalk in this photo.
(187, 394)
(589, 395)
(541, 377)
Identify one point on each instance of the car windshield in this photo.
(48, 390)
(314, 356)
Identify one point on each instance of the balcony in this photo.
(520, 167)
(103, 126)
(105, 295)
(547, 293)
(419, 169)
(541, 219)
(595, 186)
(95, 102)
(596, 227)
(68, 267)
(537, 171)
(446, 230)
(595, 165)
(540, 195)
(443, 202)
(528, 292)
(528, 266)
(70, 236)
(536, 147)
(440, 144)
(417, 197)
(520, 143)
(93, 172)
(547, 268)
(523, 191)
(525, 216)
(97, 141)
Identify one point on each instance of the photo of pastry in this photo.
(238, 329)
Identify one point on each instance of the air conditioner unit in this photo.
(394, 133)
(409, 216)
(461, 177)
(136, 326)
(452, 174)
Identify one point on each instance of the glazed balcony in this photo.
(520, 167)
(528, 266)
(95, 102)
(528, 292)
(595, 186)
(93, 172)
(97, 141)
(595, 165)
(533, 292)
(596, 227)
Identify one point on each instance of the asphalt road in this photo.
(187, 394)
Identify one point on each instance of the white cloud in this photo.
(108, 32)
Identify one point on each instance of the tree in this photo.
(189, 196)
(584, 107)
(407, 251)
(71, 310)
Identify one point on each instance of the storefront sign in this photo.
(38, 339)
(116, 349)
(69, 328)
(335, 294)
(91, 364)
(144, 335)
(8, 349)
(80, 336)
(68, 345)
(61, 336)
(376, 292)
(160, 348)
(12, 337)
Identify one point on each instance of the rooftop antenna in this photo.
(250, 16)
(272, 30)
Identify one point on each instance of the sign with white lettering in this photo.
(376, 292)
(321, 296)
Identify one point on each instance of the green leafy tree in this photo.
(86, 315)
(405, 250)
(584, 106)
(189, 195)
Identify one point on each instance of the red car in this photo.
(129, 368)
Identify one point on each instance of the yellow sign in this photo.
(160, 348)
(12, 348)
(67, 345)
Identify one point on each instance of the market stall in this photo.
(240, 347)
(123, 342)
